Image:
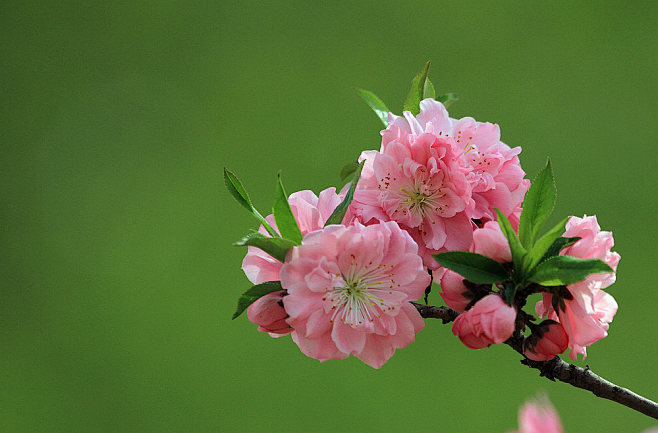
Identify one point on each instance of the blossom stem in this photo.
(558, 369)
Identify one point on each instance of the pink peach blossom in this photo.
(586, 317)
(433, 174)
(268, 313)
(489, 321)
(493, 169)
(548, 340)
(349, 290)
(539, 417)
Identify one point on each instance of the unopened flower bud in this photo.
(490, 321)
(547, 340)
(268, 313)
(453, 290)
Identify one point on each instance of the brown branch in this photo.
(556, 368)
(429, 312)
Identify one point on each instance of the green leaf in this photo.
(473, 267)
(509, 292)
(339, 213)
(428, 90)
(540, 248)
(236, 189)
(275, 247)
(375, 103)
(285, 220)
(254, 293)
(517, 250)
(557, 246)
(537, 206)
(348, 169)
(447, 99)
(417, 91)
(563, 270)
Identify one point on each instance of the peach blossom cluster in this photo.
(435, 175)
(347, 288)
(435, 185)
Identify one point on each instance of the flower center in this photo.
(416, 201)
(422, 200)
(360, 300)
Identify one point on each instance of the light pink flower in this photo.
(492, 168)
(539, 417)
(310, 211)
(586, 317)
(548, 340)
(268, 313)
(488, 241)
(489, 321)
(349, 290)
(433, 174)
(453, 291)
(417, 180)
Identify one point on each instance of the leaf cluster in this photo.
(536, 261)
(421, 88)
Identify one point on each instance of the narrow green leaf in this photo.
(285, 220)
(473, 267)
(348, 169)
(540, 248)
(557, 246)
(563, 270)
(447, 99)
(537, 206)
(517, 250)
(339, 213)
(254, 293)
(275, 247)
(428, 90)
(236, 189)
(375, 103)
(416, 92)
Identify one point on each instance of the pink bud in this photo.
(453, 290)
(490, 321)
(491, 242)
(548, 340)
(268, 313)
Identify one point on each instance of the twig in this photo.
(556, 368)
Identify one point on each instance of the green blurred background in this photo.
(119, 278)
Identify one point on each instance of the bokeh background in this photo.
(118, 274)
